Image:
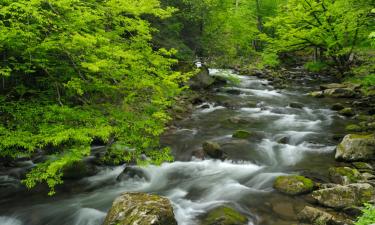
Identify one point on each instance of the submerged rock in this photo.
(224, 215)
(243, 134)
(140, 209)
(356, 147)
(132, 172)
(293, 185)
(283, 140)
(296, 105)
(344, 175)
(345, 196)
(213, 150)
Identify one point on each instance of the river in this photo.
(194, 186)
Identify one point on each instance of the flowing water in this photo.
(195, 186)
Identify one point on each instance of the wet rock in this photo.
(362, 166)
(293, 185)
(283, 140)
(202, 80)
(339, 93)
(345, 196)
(233, 91)
(284, 209)
(317, 94)
(353, 128)
(133, 173)
(337, 107)
(205, 106)
(344, 175)
(224, 215)
(340, 85)
(242, 134)
(199, 154)
(213, 150)
(347, 112)
(356, 147)
(79, 170)
(296, 105)
(140, 209)
(317, 216)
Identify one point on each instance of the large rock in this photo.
(339, 93)
(344, 175)
(345, 196)
(213, 150)
(319, 217)
(340, 85)
(293, 185)
(356, 147)
(224, 215)
(140, 209)
(349, 112)
(131, 172)
(202, 80)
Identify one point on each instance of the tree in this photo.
(77, 72)
(335, 27)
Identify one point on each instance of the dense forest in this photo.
(81, 73)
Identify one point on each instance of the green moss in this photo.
(224, 215)
(241, 134)
(293, 185)
(368, 216)
(351, 174)
(353, 128)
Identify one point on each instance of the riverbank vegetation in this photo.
(77, 73)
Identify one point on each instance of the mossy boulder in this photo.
(317, 94)
(224, 215)
(337, 107)
(344, 175)
(213, 150)
(339, 93)
(356, 147)
(317, 216)
(293, 185)
(79, 170)
(363, 166)
(242, 134)
(353, 128)
(340, 197)
(347, 112)
(140, 209)
(202, 80)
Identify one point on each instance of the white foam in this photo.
(4, 220)
(89, 216)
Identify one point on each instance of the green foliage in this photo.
(75, 72)
(315, 66)
(335, 28)
(368, 216)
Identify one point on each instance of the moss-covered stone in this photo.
(344, 175)
(316, 94)
(337, 107)
(347, 112)
(345, 196)
(356, 147)
(140, 209)
(243, 134)
(293, 185)
(224, 215)
(353, 128)
(213, 150)
(362, 166)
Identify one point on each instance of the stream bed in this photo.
(195, 186)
